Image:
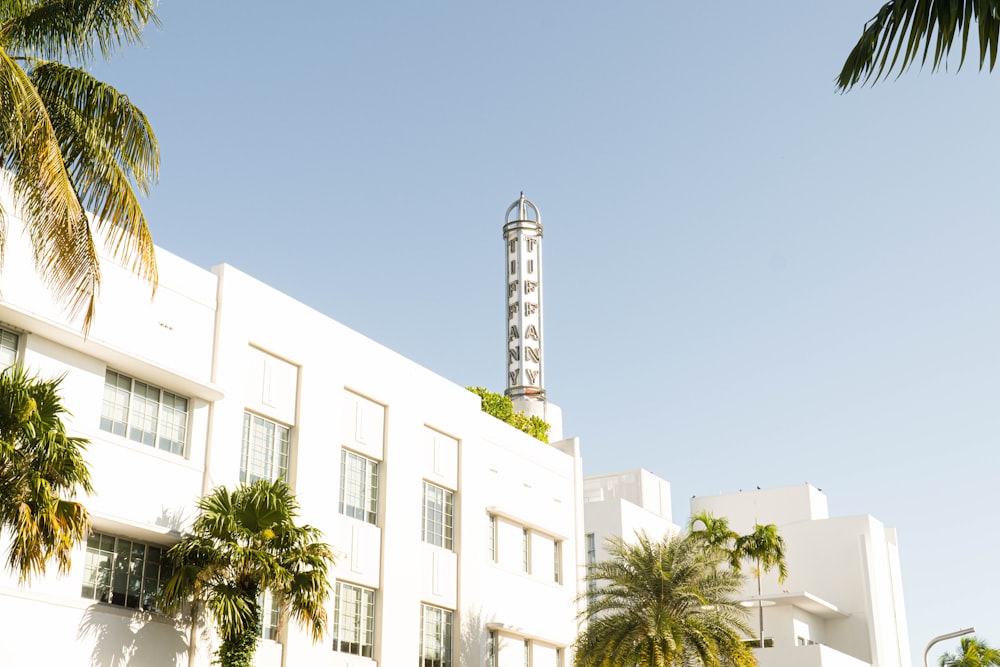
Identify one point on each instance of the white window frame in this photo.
(123, 572)
(10, 347)
(438, 524)
(526, 550)
(270, 616)
(144, 413)
(492, 649)
(354, 619)
(491, 543)
(360, 473)
(270, 443)
(436, 626)
(590, 540)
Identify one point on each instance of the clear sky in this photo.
(749, 279)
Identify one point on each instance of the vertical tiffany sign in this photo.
(522, 236)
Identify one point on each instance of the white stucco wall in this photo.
(232, 344)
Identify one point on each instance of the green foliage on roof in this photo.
(501, 407)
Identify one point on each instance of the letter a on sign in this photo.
(531, 332)
(513, 334)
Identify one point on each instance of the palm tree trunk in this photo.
(760, 605)
(193, 636)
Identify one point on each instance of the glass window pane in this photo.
(8, 348)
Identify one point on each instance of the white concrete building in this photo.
(447, 521)
(622, 505)
(842, 603)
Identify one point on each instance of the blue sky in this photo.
(750, 279)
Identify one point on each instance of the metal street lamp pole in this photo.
(941, 638)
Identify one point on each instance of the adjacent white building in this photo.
(842, 603)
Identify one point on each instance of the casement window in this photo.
(557, 561)
(435, 636)
(492, 651)
(358, 487)
(270, 616)
(591, 545)
(8, 348)
(526, 550)
(439, 516)
(527, 653)
(144, 413)
(492, 538)
(124, 572)
(265, 449)
(354, 620)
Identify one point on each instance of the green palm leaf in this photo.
(245, 542)
(664, 603)
(904, 32)
(70, 142)
(41, 470)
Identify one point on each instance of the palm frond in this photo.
(54, 219)
(904, 32)
(74, 29)
(110, 151)
(41, 469)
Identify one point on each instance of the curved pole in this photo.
(941, 638)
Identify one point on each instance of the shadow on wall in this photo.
(475, 639)
(121, 639)
(171, 519)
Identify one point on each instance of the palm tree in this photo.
(905, 31)
(245, 543)
(765, 548)
(664, 603)
(974, 653)
(41, 470)
(70, 142)
(712, 531)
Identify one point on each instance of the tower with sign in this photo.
(522, 235)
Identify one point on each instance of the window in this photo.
(435, 637)
(526, 550)
(144, 413)
(123, 572)
(354, 620)
(438, 515)
(491, 649)
(591, 562)
(527, 653)
(358, 487)
(270, 616)
(492, 538)
(265, 449)
(557, 561)
(8, 348)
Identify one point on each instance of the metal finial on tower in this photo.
(523, 240)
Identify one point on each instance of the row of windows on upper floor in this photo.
(130, 408)
(359, 493)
